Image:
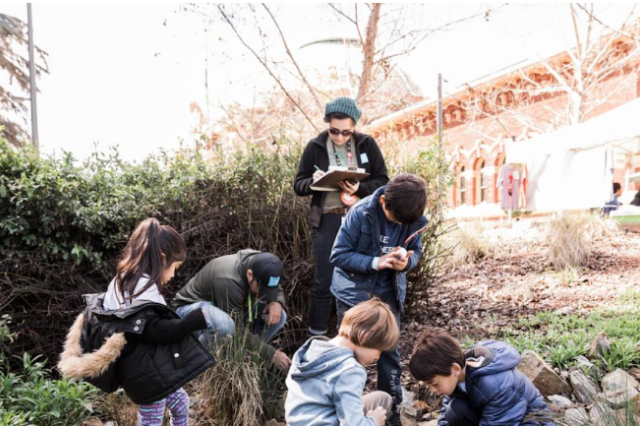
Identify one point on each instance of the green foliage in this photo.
(59, 211)
(563, 338)
(31, 397)
(62, 225)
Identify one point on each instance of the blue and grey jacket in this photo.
(325, 385)
(496, 388)
(357, 243)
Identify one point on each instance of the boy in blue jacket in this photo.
(482, 385)
(377, 245)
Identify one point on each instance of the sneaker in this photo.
(395, 419)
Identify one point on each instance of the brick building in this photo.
(516, 104)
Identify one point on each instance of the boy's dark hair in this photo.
(337, 116)
(434, 354)
(406, 198)
(616, 187)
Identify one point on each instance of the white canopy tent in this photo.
(572, 168)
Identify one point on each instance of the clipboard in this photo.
(329, 181)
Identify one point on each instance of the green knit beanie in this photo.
(344, 105)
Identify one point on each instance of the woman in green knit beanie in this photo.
(340, 145)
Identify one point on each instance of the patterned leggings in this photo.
(178, 405)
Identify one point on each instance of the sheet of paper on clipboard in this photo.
(329, 181)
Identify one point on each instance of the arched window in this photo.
(462, 187)
(479, 182)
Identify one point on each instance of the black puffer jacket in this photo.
(315, 154)
(112, 349)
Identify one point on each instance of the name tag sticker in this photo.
(516, 174)
(273, 282)
(363, 158)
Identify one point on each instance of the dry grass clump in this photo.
(600, 413)
(467, 243)
(571, 238)
(567, 277)
(233, 389)
(118, 408)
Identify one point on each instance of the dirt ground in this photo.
(515, 280)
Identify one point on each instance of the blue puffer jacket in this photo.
(357, 243)
(497, 389)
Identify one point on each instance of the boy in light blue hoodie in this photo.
(327, 377)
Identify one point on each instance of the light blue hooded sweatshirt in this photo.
(325, 386)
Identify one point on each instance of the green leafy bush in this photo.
(62, 225)
(31, 397)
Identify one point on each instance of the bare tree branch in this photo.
(264, 64)
(615, 30)
(295, 63)
(412, 47)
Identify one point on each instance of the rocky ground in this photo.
(516, 279)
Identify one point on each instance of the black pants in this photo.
(321, 299)
(461, 413)
(389, 368)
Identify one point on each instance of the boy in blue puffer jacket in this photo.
(482, 385)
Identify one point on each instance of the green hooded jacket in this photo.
(223, 282)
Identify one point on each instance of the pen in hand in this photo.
(318, 174)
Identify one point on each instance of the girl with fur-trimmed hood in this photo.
(128, 337)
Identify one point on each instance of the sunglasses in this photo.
(336, 132)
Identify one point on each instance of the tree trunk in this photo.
(369, 50)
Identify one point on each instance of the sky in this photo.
(125, 74)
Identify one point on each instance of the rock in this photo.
(621, 390)
(542, 376)
(601, 415)
(583, 361)
(588, 368)
(92, 422)
(635, 372)
(421, 406)
(576, 416)
(429, 423)
(599, 347)
(560, 401)
(565, 310)
(623, 417)
(584, 389)
(407, 418)
(619, 380)
(274, 422)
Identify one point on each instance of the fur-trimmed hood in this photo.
(107, 349)
(75, 364)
